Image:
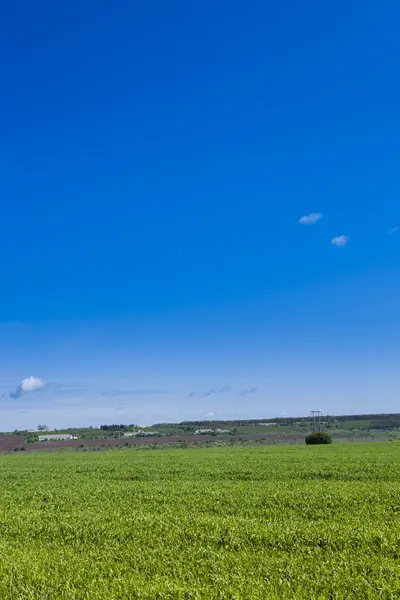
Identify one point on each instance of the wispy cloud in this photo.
(28, 385)
(310, 219)
(249, 391)
(130, 392)
(340, 241)
(69, 389)
(222, 390)
(394, 230)
(210, 414)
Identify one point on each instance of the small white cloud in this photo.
(30, 384)
(340, 241)
(394, 230)
(210, 414)
(310, 219)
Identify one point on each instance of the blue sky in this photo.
(155, 162)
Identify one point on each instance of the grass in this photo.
(277, 522)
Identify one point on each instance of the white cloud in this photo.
(310, 219)
(210, 414)
(340, 241)
(394, 230)
(32, 383)
(27, 385)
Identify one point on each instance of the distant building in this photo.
(267, 424)
(204, 431)
(223, 431)
(57, 437)
(140, 433)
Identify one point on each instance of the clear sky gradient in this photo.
(155, 162)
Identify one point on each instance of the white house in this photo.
(204, 431)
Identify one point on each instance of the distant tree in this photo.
(319, 437)
(115, 427)
(43, 428)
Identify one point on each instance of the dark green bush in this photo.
(319, 437)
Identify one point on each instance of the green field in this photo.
(287, 522)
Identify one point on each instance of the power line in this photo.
(316, 419)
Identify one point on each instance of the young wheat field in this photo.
(285, 522)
